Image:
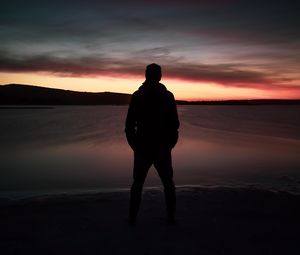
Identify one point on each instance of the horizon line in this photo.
(186, 100)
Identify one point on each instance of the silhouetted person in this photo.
(152, 131)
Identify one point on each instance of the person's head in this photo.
(153, 73)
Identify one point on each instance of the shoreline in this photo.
(15, 197)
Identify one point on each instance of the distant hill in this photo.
(20, 94)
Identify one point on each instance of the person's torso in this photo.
(153, 115)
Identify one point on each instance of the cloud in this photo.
(230, 75)
(232, 43)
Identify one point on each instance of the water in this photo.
(82, 148)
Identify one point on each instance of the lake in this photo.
(83, 148)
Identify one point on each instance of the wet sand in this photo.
(210, 220)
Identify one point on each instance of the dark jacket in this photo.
(152, 118)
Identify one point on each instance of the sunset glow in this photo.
(183, 90)
(207, 49)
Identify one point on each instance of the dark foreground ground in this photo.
(210, 221)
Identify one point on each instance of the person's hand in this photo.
(173, 139)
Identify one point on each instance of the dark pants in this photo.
(162, 160)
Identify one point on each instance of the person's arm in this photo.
(130, 124)
(174, 122)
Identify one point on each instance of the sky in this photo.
(210, 49)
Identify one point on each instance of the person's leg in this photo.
(163, 165)
(142, 163)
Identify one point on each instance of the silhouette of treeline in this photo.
(19, 94)
(243, 102)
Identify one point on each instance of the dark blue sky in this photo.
(253, 44)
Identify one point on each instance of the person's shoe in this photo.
(171, 220)
(132, 221)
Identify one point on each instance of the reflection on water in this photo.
(84, 147)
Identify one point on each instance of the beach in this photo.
(203, 94)
(210, 220)
(66, 174)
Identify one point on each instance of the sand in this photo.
(210, 220)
